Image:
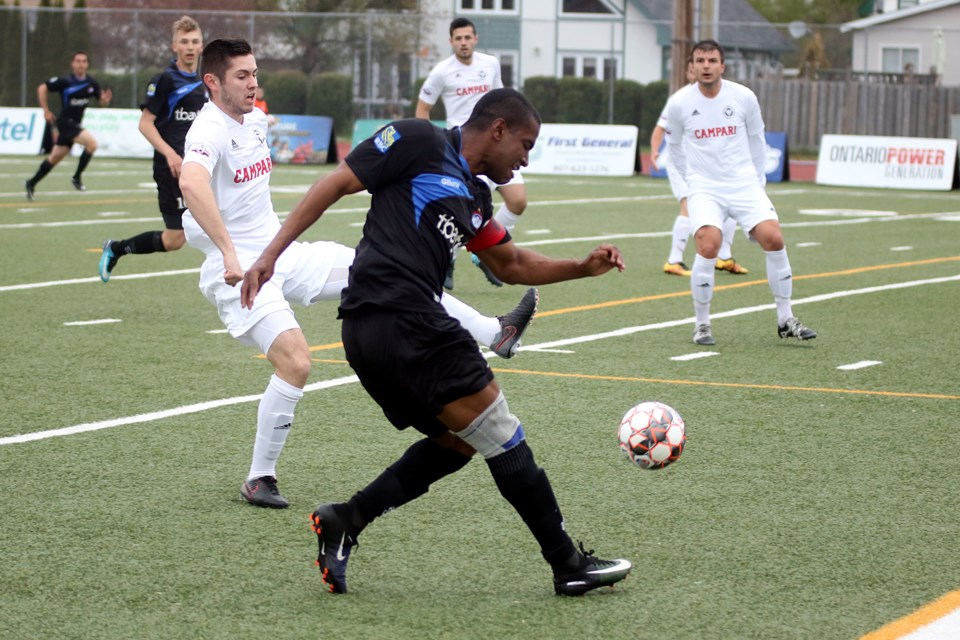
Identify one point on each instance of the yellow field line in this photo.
(919, 618)
(749, 283)
(734, 385)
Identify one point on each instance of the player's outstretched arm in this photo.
(320, 197)
(519, 265)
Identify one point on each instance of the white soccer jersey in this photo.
(716, 143)
(238, 159)
(461, 85)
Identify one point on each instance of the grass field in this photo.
(812, 502)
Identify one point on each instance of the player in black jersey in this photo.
(418, 363)
(76, 92)
(174, 97)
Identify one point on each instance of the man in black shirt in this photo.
(174, 98)
(417, 362)
(76, 92)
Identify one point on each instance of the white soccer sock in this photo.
(701, 286)
(483, 328)
(506, 218)
(274, 419)
(780, 279)
(726, 245)
(681, 233)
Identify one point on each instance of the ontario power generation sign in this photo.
(887, 162)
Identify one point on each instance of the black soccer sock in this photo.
(146, 242)
(44, 169)
(422, 464)
(84, 161)
(527, 488)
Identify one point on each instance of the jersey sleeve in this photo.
(392, 153)
(497, 74)
(155, 100)
(432, 87)
(203, 146)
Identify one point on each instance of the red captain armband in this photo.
(491, 234)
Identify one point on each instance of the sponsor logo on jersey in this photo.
(474, 90)
(448, 228)
(200, 149)
(233, 144)
(152, 89)
(450, 182)
(385, 139)
(79, 102)
(182, 115)
(476, 219)
(254, 171)
(715, 132)
(728, 112)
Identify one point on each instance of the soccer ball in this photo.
(652, 435)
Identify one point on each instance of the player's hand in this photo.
(174, 162)
(253, 279)
(603, 259)
(232, 271)
(106, 96)
(49, 116)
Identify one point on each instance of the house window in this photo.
(600, 7)
(501, 6)
(896, 59)
(508, 67)
(588, 66)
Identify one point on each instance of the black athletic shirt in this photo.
(175, 97)
(426, 204)
(75, 95)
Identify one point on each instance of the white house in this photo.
(923, 35)
(628, 39)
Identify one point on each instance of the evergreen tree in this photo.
(78, 28)
(10, 50)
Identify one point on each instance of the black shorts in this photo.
(413, 364)
(67, 131)
(168, 195)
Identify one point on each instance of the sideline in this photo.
(327, 384)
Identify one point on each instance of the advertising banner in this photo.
(117, 132)
(21, 131)
(585, 149)
(302, 140)
(887, 162)
(777, 163)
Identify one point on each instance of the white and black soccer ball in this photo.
(652, 435)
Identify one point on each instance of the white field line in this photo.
(326, 384)
(529, 243)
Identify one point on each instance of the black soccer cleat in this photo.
(793, 328)
(77, 183)
(592, 573)
(29, 186)
(335, 546)
(263, 492)
(514, 324)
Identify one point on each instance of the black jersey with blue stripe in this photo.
(75, 95)
(426, 205)
(175, 97)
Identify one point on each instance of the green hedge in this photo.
(331, 94)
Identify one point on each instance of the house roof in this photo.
(741, 26)
(883, 18)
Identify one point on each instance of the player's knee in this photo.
(174, 239)
(494, 431)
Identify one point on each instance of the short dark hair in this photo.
(80, 52)
(217, 55)
(460, 23)
(708, 46)
(509, 104)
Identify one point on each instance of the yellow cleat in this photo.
(732, 266)
(676, 268)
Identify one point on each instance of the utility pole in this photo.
(681, 42)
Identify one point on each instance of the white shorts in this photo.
(516, 179)
(306, 272)
(748, 205)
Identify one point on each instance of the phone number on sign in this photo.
(580, 168)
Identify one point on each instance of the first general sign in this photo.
(888, 162)
(585, 149)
